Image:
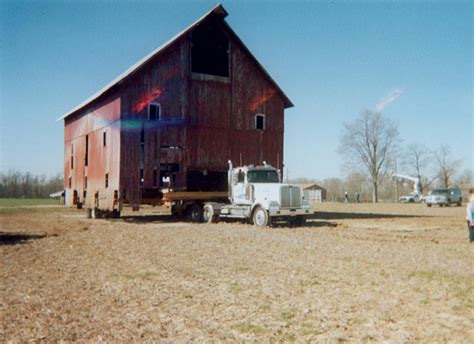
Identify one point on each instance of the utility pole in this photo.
(396, 182)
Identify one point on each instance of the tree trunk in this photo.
(375, 196)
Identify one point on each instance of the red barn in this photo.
(174, 119)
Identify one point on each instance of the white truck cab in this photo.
(256, 193)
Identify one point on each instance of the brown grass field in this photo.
(356, 273)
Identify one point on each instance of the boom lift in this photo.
(414, 196)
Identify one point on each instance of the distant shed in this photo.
(316, 193)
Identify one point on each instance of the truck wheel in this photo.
(260, 217)
(459, 203)
(89, 213)
(208, 214)
(195, 213)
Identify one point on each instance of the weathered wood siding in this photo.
(205, 122)
(102, 160)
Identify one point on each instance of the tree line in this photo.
(372, 154)
(15, 184)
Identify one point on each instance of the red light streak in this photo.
(267, 94)
(147, 98)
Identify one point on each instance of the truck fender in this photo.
(264, 205)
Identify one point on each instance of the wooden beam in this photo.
(193, 195)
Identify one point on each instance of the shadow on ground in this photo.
(18, 238)
(150, 218)
(324, 215)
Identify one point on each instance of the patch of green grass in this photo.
(147, 275)
(283, 336)
(428, 275)
(247, 327)
(18, 202)
(307, 331)
(287, 315)
(235, 287)
(241, 269)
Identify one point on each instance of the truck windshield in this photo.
(262, 176)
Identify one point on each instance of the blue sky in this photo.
(332, 58)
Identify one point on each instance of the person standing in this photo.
(346, 197)
(470, 215)
(357, 197)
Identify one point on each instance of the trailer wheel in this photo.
(89, 213)
(260, 217)
(208, 214)
(195, 213)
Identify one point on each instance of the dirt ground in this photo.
(356, 272)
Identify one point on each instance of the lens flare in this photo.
(147, 98)
(267, 94)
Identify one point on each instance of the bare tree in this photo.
(334, 188)
(446, 166)
(466, 177)
(417, 160)
(370, 141)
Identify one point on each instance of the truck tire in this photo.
(260, 217)
(459, 203)
(195, 213)
(208, 214)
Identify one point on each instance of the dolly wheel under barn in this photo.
(260, 217)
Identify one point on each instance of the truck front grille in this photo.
(290, 197)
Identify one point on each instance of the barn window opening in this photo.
(260, 122)
(85, 182)
(210, 50)
(70, 182)
(87, 151)
(142, 178)
(72, 162)
(154, 111)
(106, 180)
(105, 138)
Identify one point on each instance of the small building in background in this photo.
(316, 193)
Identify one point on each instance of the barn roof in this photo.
(219, 11)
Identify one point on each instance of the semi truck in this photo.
(254, 193)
